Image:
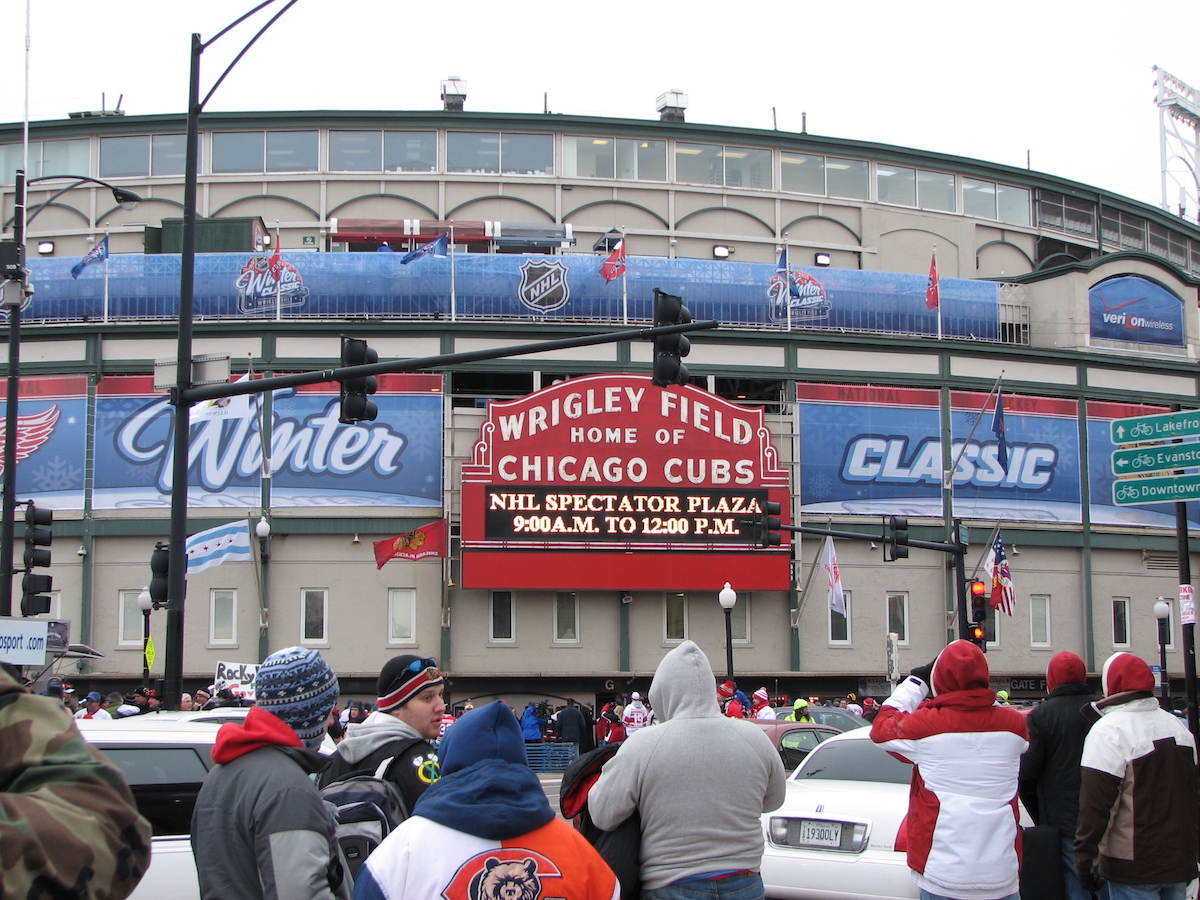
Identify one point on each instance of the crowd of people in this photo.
(1112, 776)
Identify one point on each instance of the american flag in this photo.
(1003, 592)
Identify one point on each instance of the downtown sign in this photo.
(609, 482)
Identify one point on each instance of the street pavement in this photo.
(550, 784)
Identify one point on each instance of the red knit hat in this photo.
(1065, 668)
(725, 689)
(1126, 672)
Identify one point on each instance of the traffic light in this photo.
(768, 525)
(34, 585)
(669, 348)
(160, 564)
(355, 407)
(977, 592)
(896, 539)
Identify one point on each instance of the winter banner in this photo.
(395, 461)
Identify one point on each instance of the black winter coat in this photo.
(1050, 776)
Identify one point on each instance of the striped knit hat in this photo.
(404, 677)
(298, 686)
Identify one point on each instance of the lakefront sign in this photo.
(610, 482)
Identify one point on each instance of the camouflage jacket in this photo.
(69, 827)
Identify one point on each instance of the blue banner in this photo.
(504, 286)
(395, 461)
(1134, 309)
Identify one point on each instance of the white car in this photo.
(840, 832)
(165, 763)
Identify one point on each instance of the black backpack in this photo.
(367, 807)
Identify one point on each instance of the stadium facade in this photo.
(592, 517)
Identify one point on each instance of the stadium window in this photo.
(402, 616)
(45, 158)
(1039, 620)
(473, 152)
(935, 191)
(477, 389)
(848, 178)
(739, 619)
(222, 616)
(1120, 621)
(589, 157)
(699, 163)
(747, 167)
(566, 617)
(527, 154)
(410, 151)
(766, 393)
(642, 160)
(503, 628)
(979, 198)
(237, 151)
(1012, 204)
(131, 624)
(675, 618)
(292, 151)
(896, 184)
(355, 151)
(314, 614)
(802, 173)
(839, 625)
(897, 617)
(1067, 214)
(122, 157)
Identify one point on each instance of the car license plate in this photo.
(820, 834)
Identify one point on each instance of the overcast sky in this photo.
(1070, 83)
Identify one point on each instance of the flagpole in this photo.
(453, 293)
(949, 476)
(787, 281)
(939, 293)
(278, 277)
(624, 285)
(107, 249)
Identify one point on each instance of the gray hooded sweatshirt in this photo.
(699, 780)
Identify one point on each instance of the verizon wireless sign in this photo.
(610, 482)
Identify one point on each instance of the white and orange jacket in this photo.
(963, 834)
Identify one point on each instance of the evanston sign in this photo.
(609, 482)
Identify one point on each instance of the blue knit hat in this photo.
(490, 732)
(298, 686)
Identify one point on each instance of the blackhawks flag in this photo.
(428, 540)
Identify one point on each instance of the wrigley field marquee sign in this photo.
(614, 483)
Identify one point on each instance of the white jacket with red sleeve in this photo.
(963, 834)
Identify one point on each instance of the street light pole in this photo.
(177, 571)
(16, 291)
(1162, 612)
(146, 603)
(728, 599)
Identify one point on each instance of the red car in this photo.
(794, 740)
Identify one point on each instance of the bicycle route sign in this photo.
(1163, 489)
(1158, 458)
(1140, 429)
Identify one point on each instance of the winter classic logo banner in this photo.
(878, 451)
(393, 461)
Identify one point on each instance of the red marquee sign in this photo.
(609, 482)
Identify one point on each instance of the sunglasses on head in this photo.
(418, 665)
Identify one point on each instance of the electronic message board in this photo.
(609, 482)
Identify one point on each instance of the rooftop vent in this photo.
(102, 112)
(454, 94)
(671, 105)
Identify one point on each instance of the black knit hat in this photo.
(404, 677)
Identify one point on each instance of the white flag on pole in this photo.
(217, 545)
(224, 407)
(837, 600)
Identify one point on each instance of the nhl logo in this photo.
(544, 285)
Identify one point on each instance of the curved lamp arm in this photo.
(126, 198)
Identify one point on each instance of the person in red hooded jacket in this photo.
(1138, 796)
(963, 834)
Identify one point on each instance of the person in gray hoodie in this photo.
(396, 741)
(708, 840)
